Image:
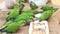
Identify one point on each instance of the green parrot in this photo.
(47, 14)
(14, 26)
(13, 13)
(16, 10)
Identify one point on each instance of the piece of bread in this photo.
(38, 27)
